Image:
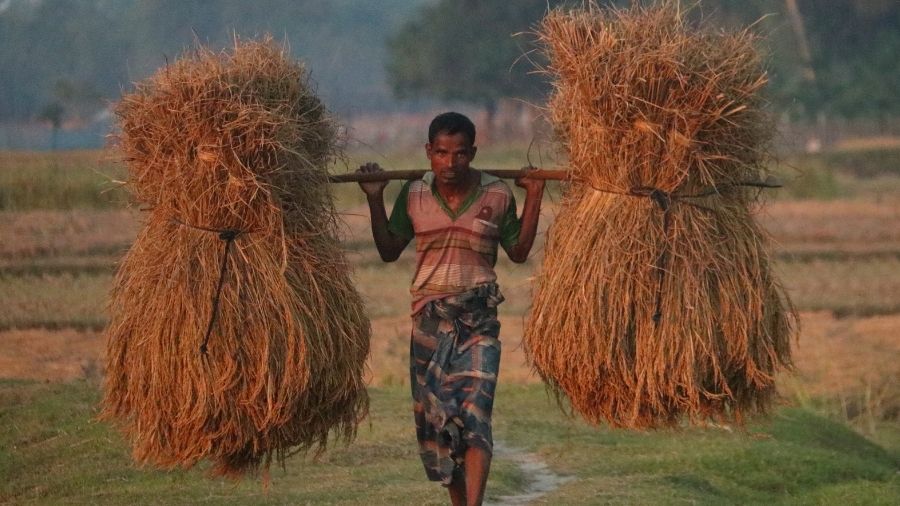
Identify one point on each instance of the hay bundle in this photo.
(656, 299)
(235, 333)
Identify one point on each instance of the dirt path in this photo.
(541, 480)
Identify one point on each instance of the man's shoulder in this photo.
(495, 185)
(418, 185)
(491, 181)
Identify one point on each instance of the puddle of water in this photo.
(540, 478)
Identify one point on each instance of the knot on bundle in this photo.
(661, 198)
(229, 234)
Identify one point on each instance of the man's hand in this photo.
(389, 245)
(532, 186)
(372, 188)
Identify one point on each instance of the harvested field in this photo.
(840, 256)
(67, 300)
(850, 226)
(836, 358)
(867, 143)
(853, 286)
(803, 229)
(848, 368)
(846, 356)
(67, 354)
(51, 355)
(57, 233)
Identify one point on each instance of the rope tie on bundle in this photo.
(228, 235)
(665, 201)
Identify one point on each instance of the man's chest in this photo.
(480, 215)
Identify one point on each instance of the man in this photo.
(458, 216)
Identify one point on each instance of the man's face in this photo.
(450, 155)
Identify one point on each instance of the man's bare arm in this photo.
(388, 244)
(531, 211)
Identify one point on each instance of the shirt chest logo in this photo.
(485, 213)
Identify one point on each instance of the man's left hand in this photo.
(531, 185)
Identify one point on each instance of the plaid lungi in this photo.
(454, 360)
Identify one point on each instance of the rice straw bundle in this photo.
(236, 333)
(656, 299)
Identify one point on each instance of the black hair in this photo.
(451, 123)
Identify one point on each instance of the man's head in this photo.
(451, 123)
(451, 147)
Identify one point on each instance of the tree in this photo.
(465, 50)
(462, 50)
(854, 54)
(43, 43)
(53, 113)
(834, 58)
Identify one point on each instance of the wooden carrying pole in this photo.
(387, 175)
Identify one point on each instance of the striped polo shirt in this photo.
(454, 251)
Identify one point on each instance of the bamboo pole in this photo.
(388, 175)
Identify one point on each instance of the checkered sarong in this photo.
(454, 360)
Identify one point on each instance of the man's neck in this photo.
(461, 189)
(455, 194)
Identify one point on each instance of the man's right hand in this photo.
(389, 245)
(372, 188)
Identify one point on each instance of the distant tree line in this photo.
(67, 58)
(826, 57)
(76, 55)
(469, 50)
(852, 68)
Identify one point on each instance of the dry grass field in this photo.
(838, 257)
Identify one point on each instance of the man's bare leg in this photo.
(478, 464)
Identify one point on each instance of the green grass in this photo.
(52, 451)
(796, 457)
(85, 179)
(864, 163)
(870, 410)
(840, 174)
(810, 179)
(67, 180)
